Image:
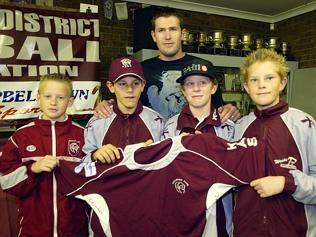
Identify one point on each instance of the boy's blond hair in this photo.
(56, 77)
(263, 55)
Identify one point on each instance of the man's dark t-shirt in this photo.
(162, 92)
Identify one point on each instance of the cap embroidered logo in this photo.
(193, 67)
(126, 62)
(203, 68)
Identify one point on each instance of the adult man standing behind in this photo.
(162, 93)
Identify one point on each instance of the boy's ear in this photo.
(214, 89)
(38, 98)
(246, 87)
(110, 86)
(71, 101)
(143, 85)
(182, 89)
(283, 83)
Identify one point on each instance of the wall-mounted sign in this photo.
(35, 42)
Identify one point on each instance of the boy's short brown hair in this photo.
(263, 55)
(59, 78)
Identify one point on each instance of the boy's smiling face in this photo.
(54, 99)
(197, 90)
(264, 84)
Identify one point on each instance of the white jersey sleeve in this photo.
(305, 137)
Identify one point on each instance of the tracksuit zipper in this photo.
(55, 213)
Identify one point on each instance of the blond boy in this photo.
(30, 157)
(283, 202)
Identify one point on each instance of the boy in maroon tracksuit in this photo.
(130, 122)
(28, 161)
(282, 204)
(198, 84)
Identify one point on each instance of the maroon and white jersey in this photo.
(290, 137)
(166, 189)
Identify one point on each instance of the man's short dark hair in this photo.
(166, 12)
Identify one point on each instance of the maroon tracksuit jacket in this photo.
(43, 210)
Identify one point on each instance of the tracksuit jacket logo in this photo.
(31, 148)
(73, 147)
(287, 163)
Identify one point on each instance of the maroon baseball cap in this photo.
(127, 66)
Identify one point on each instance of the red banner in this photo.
(35, 42)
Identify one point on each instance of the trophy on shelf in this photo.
(284, 48)
(185, 38)
(218, 40)
(246, 42)
(273, 43)
(202, 42)
(285, 51)
(259, 43)
(232, 44)
(188, 44)
(208, 44)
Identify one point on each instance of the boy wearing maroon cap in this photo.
(198, 84)
(130, 123)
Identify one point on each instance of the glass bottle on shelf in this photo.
(229, 76)
(236, 84)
